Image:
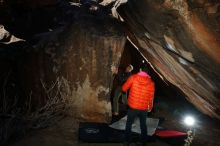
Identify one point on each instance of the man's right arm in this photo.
(127, 84)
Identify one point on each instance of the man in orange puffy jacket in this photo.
(140, 101)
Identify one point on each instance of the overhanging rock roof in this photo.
(181, 40)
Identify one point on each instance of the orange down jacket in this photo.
(141, 92)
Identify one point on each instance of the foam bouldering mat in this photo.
(152, 124)
(102, 133)
(172, 137)
(169, 133)
(99, 132)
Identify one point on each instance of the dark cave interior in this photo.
(167, 96)
(170, 102)
(24, 63)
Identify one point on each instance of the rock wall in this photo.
(75, 64)
(180, 39)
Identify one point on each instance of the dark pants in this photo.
(117, 93)
(132, 114)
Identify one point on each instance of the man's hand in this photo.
(149, 110)
(114, 69)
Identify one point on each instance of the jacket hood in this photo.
(144, 74)
(143, 77)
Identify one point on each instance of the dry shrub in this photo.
(15, 122)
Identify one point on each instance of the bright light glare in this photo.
(189, 121)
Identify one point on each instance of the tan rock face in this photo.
(181, 40)
(76, 64)
(201, 31)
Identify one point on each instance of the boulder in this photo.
(75, 64)
(181, 41)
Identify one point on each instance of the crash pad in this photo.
(102, 133)
(99, 133)
(169, 133)
(151, 123)
(172, 137)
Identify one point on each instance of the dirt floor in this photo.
(65, 132)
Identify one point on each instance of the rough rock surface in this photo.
(76, 64)
(70, 59)
(180, 39)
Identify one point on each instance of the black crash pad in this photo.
(102, 133)
(99, 132)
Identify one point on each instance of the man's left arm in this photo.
(151, 91)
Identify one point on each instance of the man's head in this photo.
(129, 68)
(143, 67)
